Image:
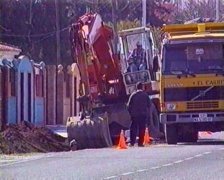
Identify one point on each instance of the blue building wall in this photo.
(25, 97)
(39, 111)
(11, 110)
(22, 100)
(25, 66)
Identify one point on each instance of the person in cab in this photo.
(139, 56)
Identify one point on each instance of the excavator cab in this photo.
(137, 52)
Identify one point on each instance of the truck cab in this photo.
(192, 80)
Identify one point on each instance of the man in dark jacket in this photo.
(138, 107)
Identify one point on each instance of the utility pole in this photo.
(217, 10)
(58, 49)
(30, 27)
(144, 13)
(144, 23)
(114, 20)
(58, 40)
(95, 5)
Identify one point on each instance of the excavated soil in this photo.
(26, 138)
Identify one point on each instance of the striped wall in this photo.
(38, 93)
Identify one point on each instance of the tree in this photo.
(197, 9)
(30, 24)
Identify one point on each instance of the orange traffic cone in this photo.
(122, 144)
(147, 138)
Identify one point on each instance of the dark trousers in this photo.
(138, 126)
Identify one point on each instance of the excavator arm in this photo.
(92, 50)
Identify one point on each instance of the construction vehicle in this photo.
(128, 40)
(104, 74)
(192, 80)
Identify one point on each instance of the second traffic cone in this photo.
(147, 138)
(122, 143)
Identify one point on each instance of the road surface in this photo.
(202, 160)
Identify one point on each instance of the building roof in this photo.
(9, 48)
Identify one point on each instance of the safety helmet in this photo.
(138, 43)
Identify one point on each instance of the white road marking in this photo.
(165, 165)
(21, 161)
(198, 155)
(189, 158)
(142, 170)
(127, 173)
(111, 177)
(179, 161)
(28, 159)
(206, 153)
(156, 167)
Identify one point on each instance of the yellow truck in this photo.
(192, 80)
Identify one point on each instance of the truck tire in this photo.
(171, 133)
(154, 124)
(191, 137)
(194, 136)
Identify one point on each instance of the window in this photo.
(197, 57)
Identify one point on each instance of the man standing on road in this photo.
(138, 107)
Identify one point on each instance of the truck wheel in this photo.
(187, 133)
(194, 136)
(171, 133)
(154, 118)
(190, 137)
(154, 124)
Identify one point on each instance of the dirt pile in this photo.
(26, 138)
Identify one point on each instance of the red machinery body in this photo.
(103, 74)
(93, 52)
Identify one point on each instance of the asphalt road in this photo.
(202, 160)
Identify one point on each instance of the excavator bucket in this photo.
(90, 132)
